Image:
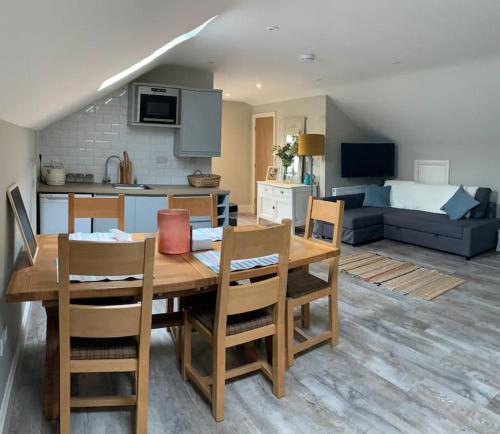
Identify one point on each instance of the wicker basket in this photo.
(202, 180)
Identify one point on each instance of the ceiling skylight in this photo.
(162, 50)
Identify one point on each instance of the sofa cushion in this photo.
(483, 197)
(459, 204)
(422, 197)
(377, 196)
(361, 217)
(439, 224)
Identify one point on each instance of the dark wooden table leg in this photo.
(51, 387)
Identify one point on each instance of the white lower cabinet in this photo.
(278, 201)
(146, 211)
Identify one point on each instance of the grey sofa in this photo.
(465, 237)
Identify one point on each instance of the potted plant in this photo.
(286, 154)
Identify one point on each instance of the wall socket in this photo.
(162, 159)
(3, 340)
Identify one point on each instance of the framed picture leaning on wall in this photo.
(272, 173)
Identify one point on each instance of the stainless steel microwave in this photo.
(157, 105)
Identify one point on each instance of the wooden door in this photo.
(264, 142)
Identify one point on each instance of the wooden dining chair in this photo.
(198, 206)
(243, 313)
(112, 338)
(303, 287)
(96, 207)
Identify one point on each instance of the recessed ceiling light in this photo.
(228, 95)
(307, 57)
(258, 85)
(162, 50)
(272, 28)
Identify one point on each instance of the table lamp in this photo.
(310, 145)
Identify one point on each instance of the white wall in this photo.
(83, 140)
(340, 128)
(235, 163)
(448, 113)
(17, 162)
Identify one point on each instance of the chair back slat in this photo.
(105, 321)
(96, 207)
(253, 296)
(255, 243)
(102, 259)
(326, 211)
(198, 206)
(245, 243)
(90, 258)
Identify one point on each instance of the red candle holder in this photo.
(174, 231)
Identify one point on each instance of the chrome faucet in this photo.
(106, 179)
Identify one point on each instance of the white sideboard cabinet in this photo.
(277, 201)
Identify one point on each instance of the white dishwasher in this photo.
(54, 215)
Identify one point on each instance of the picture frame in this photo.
(23, 222)
(272, 173)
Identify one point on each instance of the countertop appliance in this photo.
(53, 173)
(156, 105)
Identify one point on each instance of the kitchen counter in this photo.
(155, 189)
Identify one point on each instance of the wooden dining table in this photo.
(174, 276)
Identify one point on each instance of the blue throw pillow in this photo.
(377, 196)
(459, 204)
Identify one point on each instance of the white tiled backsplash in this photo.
(84, 140)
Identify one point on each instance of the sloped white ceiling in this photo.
(353, 40)
(54, 54)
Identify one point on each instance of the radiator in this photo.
(353, 189)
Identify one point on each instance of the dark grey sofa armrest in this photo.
(351, 200)
(481, 237)
(491, 211)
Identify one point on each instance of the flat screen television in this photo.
(360, 160)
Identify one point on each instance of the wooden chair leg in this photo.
(289, 333)
(65, 397)
(305, 316)
(218, 381)
(278, 367)
(186, 346)
(269, 349)
(333, 307)
(141, 419)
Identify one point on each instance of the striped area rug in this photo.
(399, 276)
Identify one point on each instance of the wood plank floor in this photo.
(402, 365)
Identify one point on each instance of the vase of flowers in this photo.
(286, 154)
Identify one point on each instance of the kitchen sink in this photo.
(132, 186)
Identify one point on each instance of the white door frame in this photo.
(254, 117)
(444, 164)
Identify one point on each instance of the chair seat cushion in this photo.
(236, 323)
(302, 283)
(104, 348)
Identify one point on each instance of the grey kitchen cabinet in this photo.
(200, 134)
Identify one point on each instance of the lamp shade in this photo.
(311, 144)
